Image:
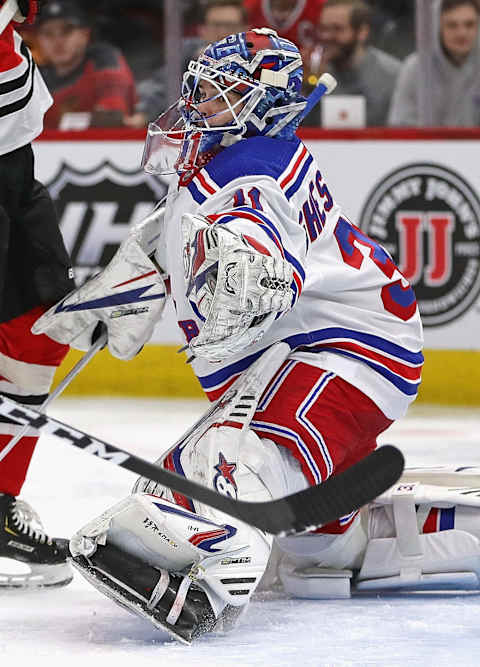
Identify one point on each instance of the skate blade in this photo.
(16, 574)
(127, 599)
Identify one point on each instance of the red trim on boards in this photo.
(306, 133)
(94, 134)
(392, 134)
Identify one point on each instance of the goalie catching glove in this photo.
(235, 286)
(128, 296)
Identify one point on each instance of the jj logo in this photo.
(428, 218)
(433, 229)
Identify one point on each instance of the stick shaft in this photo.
(80, 365)
(326, 84)
(315, 506)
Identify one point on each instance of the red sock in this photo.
(13, 468)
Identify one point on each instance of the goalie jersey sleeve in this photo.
(24, 97)
(353, 313)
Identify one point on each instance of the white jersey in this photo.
(353, 312)
(24, 97)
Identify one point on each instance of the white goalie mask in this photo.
(257, 78)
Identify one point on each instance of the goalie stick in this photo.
(80, 365)
(298, 512)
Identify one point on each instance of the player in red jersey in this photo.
(82, 75)
(293, 19)
(34, 272)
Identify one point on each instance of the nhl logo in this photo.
(428, 218)
(96, 208)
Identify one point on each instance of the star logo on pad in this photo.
(226, 469)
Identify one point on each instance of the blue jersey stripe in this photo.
(402, 354)
(408, 388)
(299, 180)
(295, 295)
(214, 379)
(263, 219)
(195, 192)
(314, 339)
(447, 518)
(296, 264)
(224, 219)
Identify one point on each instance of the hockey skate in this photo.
(24, 545)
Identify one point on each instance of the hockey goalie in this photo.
(253, 249)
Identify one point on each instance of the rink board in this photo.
(450, 377)
(414, 192)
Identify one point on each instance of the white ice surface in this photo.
(77, 625)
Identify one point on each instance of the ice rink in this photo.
(78, 626)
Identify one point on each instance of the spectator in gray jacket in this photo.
(455, 76)
(360, 69)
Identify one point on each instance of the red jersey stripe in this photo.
(290, 176)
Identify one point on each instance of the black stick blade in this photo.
(326, 502)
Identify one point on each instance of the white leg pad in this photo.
(222, 558)
(448, 559)
(398, 556)
(386, 549)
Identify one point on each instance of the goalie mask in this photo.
(245, 85)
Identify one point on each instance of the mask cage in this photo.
(177, 138)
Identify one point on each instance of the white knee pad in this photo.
(234, 463)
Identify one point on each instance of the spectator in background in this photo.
(360, 69)
(295, 20)
(82, 76)
(136, 27)
(455, 75)
(219, 19)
